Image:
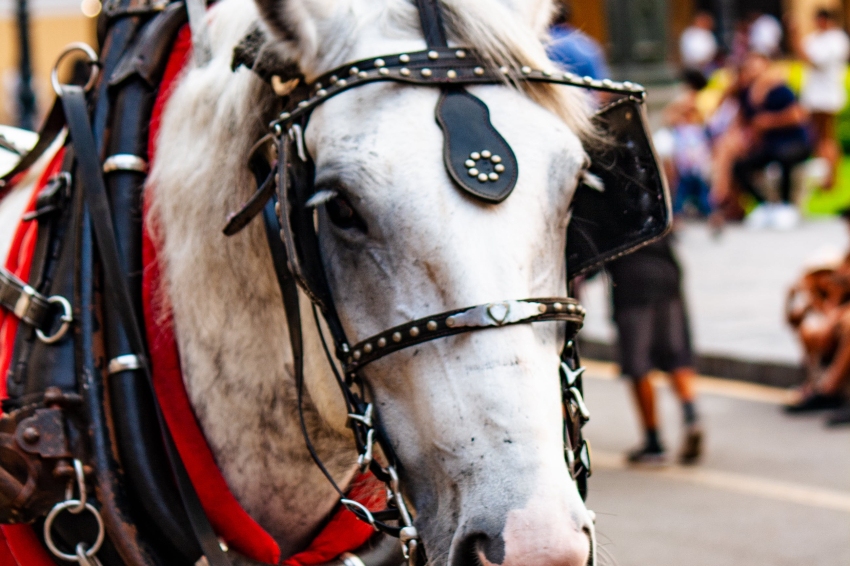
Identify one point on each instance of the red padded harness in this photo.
(343, 533)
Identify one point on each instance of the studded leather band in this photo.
(461, 321)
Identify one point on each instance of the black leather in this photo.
(468, 133)
(431, 17)
(634, 207)
(50, 130)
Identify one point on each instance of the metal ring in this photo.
(48, 527)
(349, 503)
(67, 318)
(93, 62)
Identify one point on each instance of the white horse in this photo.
(475, 420)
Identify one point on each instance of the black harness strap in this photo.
(431, 16)
(77, 116)
(23, 301)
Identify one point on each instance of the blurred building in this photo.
(642, 35)
(53, 24)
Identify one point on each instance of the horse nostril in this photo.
(590, 532)
(478, 546)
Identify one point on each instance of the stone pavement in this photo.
(771, 491)
(736, 286)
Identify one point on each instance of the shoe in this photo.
(784, 217)
(760, 217)
(647, 456)
(841, 417)
(815, 402)
(692, 446)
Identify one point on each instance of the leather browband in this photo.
(461, 321)
(435, 67)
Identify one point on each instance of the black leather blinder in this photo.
(477, 157)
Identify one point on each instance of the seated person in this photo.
(819, 311)
(775, 131)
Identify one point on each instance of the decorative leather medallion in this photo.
(477, 157)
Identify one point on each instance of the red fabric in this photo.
(18, 544)
(344, 531)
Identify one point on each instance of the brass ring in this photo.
(93, 61)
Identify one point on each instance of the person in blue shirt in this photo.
(574, 50)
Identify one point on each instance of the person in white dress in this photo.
(824, 94)
(698, 45)
(766, 35)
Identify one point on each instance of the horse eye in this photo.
(343, 215)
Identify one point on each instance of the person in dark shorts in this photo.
(652, 323)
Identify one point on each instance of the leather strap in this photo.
(88, 167)
(431, 16)
(23, 301)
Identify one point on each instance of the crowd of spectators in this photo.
(722, 156)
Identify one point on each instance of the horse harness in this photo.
(53, 434)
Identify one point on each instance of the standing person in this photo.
(698, 45)
(824, 94)
(574, 50)
(652, 323)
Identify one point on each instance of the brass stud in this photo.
(285, 116)
(469, 164)
(303, 104)
(473, 172)
(505, 70)
(405, 72)
(433, 55)
(414, 332)
(322, 93)
(426, 72)
(383, 71)
(380, 63)
(496, 159)
(363, 75)
(452, 74)
(483, 178)
(357, 355)
(558, 307)
(277, 207)
(493, 177)
(396, 337)
(342, 83)
(479, 71)
(526, 70)
(475, 155)
(547, 73)
(353, 71)
(450, 322)
(486, 154)
(404, 59)
(432, 326)
(367, 348)
(334, 79)
(499, 168)
(571, 308)
(382, 342)
(460, 54)
(542, 309)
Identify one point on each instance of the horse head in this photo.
(475, 420)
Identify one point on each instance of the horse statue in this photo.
(355, 215)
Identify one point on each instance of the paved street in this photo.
(773, 491)
(736, 285)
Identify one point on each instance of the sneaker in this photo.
(692, 446)
(841, 417)
(647, 456)
(815, 402)
(784, 217)
(760, 218)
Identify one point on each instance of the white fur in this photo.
(475, 419)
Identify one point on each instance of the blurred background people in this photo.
(654, 334)
(775, 131)
(824, 93)
(765, 35)
(698, 45)
(574, 50)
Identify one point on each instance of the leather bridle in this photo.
(284, 197)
